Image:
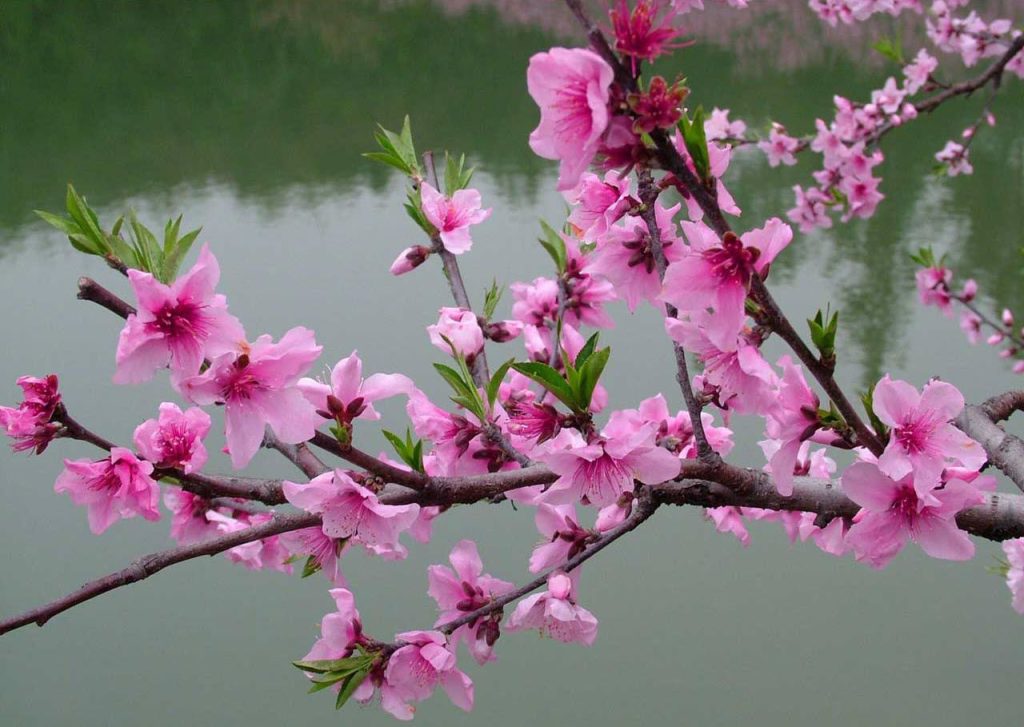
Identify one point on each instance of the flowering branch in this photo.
(298, 454)
(153, 563)
(643, 508)
(648, 196)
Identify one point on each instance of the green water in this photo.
(249, 117)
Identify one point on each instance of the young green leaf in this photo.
(553, 243)
(495, 383)
(696, 142)
(550, 379)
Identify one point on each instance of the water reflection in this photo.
(250, 118)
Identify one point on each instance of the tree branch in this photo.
(1004, 450)
(298, 454)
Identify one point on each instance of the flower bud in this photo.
(409, 259)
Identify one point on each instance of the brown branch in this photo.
(643, 508)
(153, 563)
(1002, 406)
(298, 454)
(89, 289)
(649, 195)
(1004, 450)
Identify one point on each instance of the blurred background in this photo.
(249, 117)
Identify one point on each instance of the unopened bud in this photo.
(409, 259)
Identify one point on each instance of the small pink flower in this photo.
(175, 439)
(729, 520)
(564, 538)
(415, 670)
(463, 588)
(893, 512)
(349, 396)
(556, 613)
(780, 147)
(792, 421)
(113, 488)
(453, 216)
(258, 387)
(323, 552)
(1014, 550)
(600, 204)
(189, 523)
(918, 71)
(340, 630)
(351, 510)
(625, 256)
(933, 288)
(922, 438)
(571, 87)
(266, 554)
(461, 327)
(177, 325)
(29, 424)
(597, 473)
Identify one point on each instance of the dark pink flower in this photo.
(177, 325)
(175, 439)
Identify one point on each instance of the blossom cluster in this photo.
(626, 149)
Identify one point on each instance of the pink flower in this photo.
(955, 157)
(933, 288)
(177, 325)
(780, 147)
(323, 553)
(465, 589)
(460, 326)
(639, 34)
(189, 523)
(112, 488)
(266, 554)
(893, 512)
(625, 256)
(29, 424)
(258, 387)
(351, 510)
(717, 273)
(970, 324)
(571, 87)
(556, 613)
(718, 126)
(340, 630)
(175, 439)
(922, 438)
(415, 670)
(1014, 550)
(598, 472)
(792, 421)
(600, 204)
(729, 520)
(453, 216)
(736, 375)
(675, 433)
(918, 71)
(349, 396)
(565, 539)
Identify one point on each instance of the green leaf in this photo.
(586, 351)
(454, 379)
(590, 373)
(495, 383)
(323, 666)
(491, 299)
(696, 142)
(890, 48)
(173, 259)
(349, 687)
(456, 176)
(390, 159)
(553, 243)
(550, 379)
(312, 566)
(65, 225)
